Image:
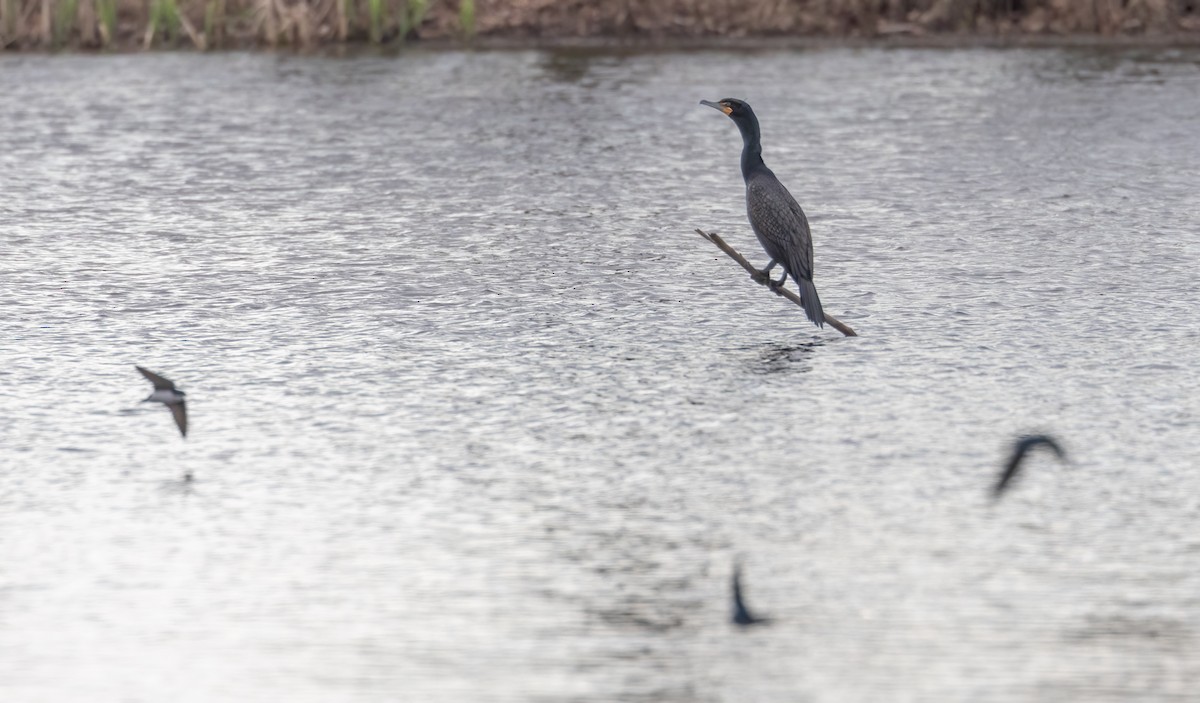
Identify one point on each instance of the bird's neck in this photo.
(752, 159)
(751, 149)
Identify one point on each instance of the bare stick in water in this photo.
(764, 280)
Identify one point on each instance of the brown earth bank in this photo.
(210, 24)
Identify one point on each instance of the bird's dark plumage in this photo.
(776, 217)
(160, 383)
(1020, 449)
(742, 615)
(166, 393)
(179, 412)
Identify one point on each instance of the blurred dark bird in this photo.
(775, 216)
(166, 393)
(741, 615)
(1020, 449)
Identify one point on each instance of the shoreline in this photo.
(785, 43)
(669, 25)
(1182, 40)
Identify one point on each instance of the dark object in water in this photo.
(1020, 449)
(742, 615)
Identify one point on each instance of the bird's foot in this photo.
(762, 278)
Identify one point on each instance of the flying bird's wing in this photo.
(1010, 470)
(1020, 449)
(160, 383)
(742, 614)
(1049, 442)
(179, 410)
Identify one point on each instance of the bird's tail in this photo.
(812, 303)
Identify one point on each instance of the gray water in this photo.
(476, 415)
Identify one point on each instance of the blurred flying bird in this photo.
(166, 393)
(741, 615)
(775, 216)
(1020, 449)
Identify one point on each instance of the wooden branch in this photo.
(762, 279)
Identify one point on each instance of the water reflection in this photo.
(184, 486)
(565, 66)
(778, 358)
(1107, 65)
(592, 69)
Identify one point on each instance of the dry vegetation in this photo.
(208, 24)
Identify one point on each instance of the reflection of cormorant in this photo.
(741, 615)
(777, 220)
(1020, 449)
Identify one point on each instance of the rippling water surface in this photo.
(477, 417)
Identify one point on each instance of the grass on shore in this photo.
(212, 24)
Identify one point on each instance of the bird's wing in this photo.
(780, 223)
(803, 252)
(160, 383)
(1020, 449)
(1010, 470)
(742, 614)
(179, 410)
(1049, 442)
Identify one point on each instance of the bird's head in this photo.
(739, 111)
(730, 106)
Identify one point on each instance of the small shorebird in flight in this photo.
(1020, 449)
(166, 393)
(741, 615)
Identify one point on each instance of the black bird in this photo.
(166, 393)
(1020, 449)
(778, 221)
(741, 615)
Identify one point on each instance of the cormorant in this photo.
(1020, 449)
(778, 221)
(166, 393)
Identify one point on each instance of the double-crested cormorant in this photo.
(166, 393)
(1020, 449)
(778, 221)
